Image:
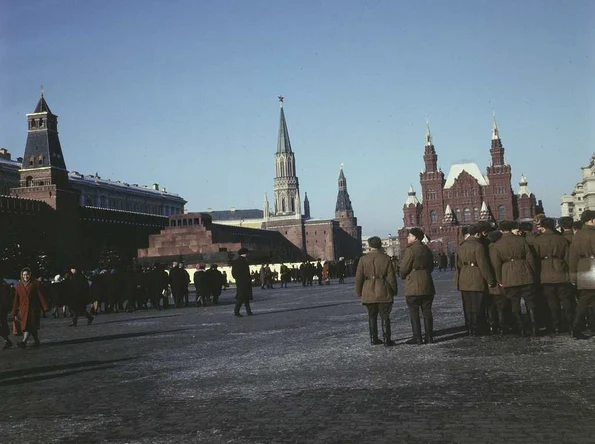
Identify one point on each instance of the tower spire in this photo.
(495, 130)
(283, 143)
(428, 134)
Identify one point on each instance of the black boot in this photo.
(533, 319)
(501, 322)
(518, 317)
(429, 330)
(416, 328)
(473, 324)
(373, 327)
(386, 333)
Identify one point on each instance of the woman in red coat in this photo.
(29, 301)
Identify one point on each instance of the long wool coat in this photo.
(416, 269)
(375, 278)
(29, 300)
(474, 271)
(513, 261)
(240, 270)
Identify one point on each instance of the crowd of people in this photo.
(266, 277)
(550, 268)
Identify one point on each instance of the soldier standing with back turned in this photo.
(376, 284)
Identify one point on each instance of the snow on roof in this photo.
(470, 168)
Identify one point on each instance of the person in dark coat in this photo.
(515, 269)
(5, 307)
(341, 270)
(240, 270)
(201, 286)
(474, 276)
(79, 295)
(416, 269)
(215, 283)
(28, 303)
(376, 285)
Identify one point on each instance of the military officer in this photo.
(416, 269)
(515, 269)
(552, 251)
(581, 264)
(376, 285)
(475, 275)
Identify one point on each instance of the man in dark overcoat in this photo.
(79, 296)
(5, 307)
(515, 268)
(240, 270)
(474, 276)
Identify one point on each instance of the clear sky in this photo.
(184, 92)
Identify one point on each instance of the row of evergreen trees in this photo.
(14, 256)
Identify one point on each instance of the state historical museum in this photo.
(464, 197)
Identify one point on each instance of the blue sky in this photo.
(184, 93)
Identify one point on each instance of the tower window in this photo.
(467, 215)
(433, 217)
(283, 205)
(29, 181)
(476, 213)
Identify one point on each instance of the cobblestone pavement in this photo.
(300, 371)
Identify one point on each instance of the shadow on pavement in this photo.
(140, 318)
(111, 337)
(58, 367)
(303, 308)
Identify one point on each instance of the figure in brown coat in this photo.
(475, 275)
(28, 303)
(515, 268)
(552, 250)
(416, 269)
(566, 228)
(581, 264)
(376, 285)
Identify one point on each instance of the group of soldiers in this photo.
(305, 274)
(551, 269)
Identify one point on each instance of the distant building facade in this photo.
(583, 196)
(94, 191)
(465, 196)
(43, 212)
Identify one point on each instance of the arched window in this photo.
(501, 212)
(292, 205)
(433, 217)
(282, 205)
(411, 220)
(467, 215)
(458, 211)
(29, 181)
(476, 213)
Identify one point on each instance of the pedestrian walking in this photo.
(240, 270)
(29, 301)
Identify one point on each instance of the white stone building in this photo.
(583, 196)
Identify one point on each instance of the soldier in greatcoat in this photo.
(581, 264)
(376, 285)
(475, 275)
(566, 228)
(416, 269)
(240, 270)
(552, 251)
(497, 303)
(515, 269)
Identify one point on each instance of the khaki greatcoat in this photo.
(581, 260)
(416, 269)
(552, 250)
(474, 271)
(375, 278)
(513, 261)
